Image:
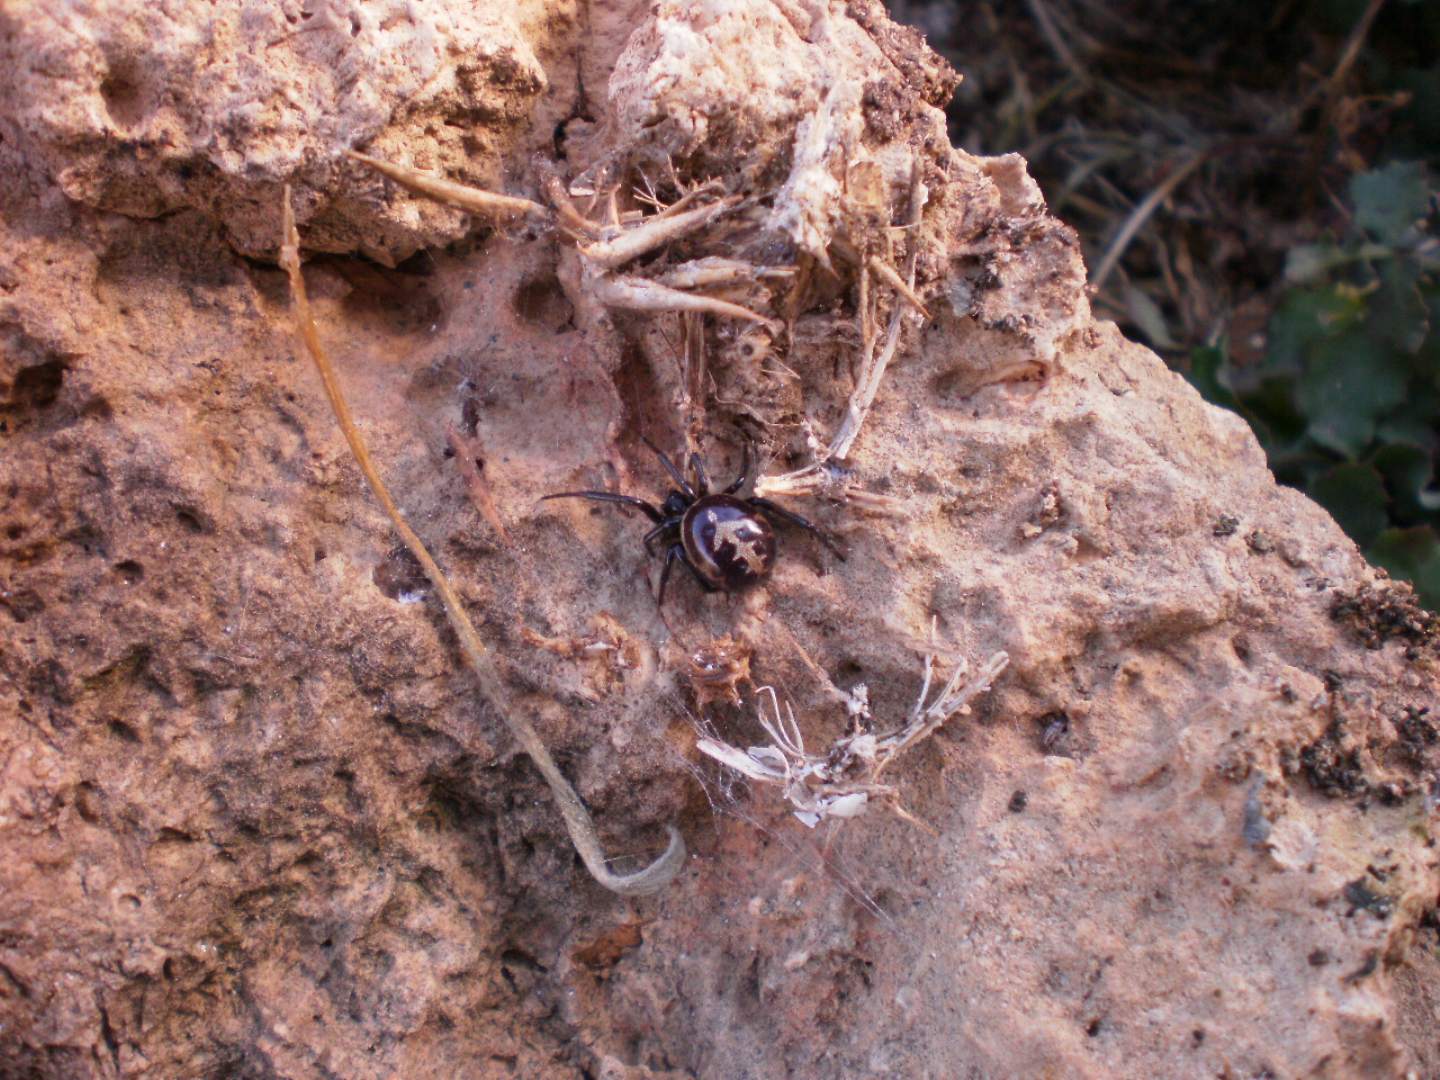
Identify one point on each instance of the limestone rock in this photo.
(144, 108)
(256, 821)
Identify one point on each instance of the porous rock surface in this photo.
(145, 109)
(257, 823)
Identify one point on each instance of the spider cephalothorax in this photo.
(723, 539)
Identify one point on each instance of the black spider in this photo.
(723, 539)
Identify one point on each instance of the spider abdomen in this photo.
(730, 545)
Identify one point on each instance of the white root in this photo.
(641, 294)
(863, 397)
(615, 241)
(713, 271)
(656, 231)
(461, 196)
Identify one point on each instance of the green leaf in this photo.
(1350, 383)
(1273, 413)
(1410, 425)
(1305, 317)
(1428, 359)
(1409, 472)
(1355, 496)
(1415, 421)
(1398, 314)
(1210, 374)
(1388, 201)
(1306, 263)
(1414, 555)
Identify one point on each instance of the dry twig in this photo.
(825, 475)
(654, 232)
(460, 196)
(577, 818)
(642, 294)
(469, 453)
(1143, 209)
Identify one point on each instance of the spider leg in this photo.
(606, 496)
(677, 551)
(670, 468)
(771, 509)
(657, 532)
(739, 481)
(702, 482)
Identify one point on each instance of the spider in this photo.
(724, 540)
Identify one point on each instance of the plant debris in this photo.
(843, 782)
(718, 669)
(1385, 612)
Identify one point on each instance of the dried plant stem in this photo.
(1057, 42)
(656, 232)
(468, 455)
(955, 698)
(459, 196)
(577, 818)
(1141, 214)
(641, 294)
(569, 216)
(817, 476)
(692, 380)
(1330, 87)
(892, 278)
(864, 396)
(845, 780)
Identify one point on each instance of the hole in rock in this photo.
(541, 302)
(400, 577)
(38, 385)
(123, 91)
(191, 519)
(130, 571)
